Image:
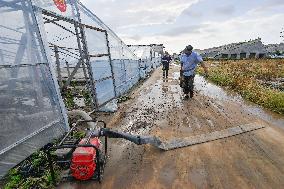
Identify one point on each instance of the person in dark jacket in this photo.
(166, 59)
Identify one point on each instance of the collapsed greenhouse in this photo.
(45, 46)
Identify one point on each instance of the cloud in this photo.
(202, 23)
(178, 31)
(129, 13)
(267, 7)
(192, 13)
(225, 10)
(135, 37)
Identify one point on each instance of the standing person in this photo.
(166, 59)
(189, 61)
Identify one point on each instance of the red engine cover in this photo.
(83, 163)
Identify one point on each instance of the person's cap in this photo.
(188, 48)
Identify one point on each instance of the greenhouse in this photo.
(46, 47)
(149, 56)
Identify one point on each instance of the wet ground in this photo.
(157, 107)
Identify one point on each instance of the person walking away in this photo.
(166, 59)
(189, 61)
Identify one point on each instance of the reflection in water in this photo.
(218, 93)
(213, 91)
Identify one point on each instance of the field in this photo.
(260, 81)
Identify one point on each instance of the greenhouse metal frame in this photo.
(42, 50)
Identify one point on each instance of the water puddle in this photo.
(213, 91)
(221, 95)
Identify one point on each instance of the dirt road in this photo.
(251, 160)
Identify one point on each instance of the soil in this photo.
(157, 107)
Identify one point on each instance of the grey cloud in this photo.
(268, 5)
(177, 31)
(135, 37)
(225, 10)
(191, 13)
(275, 2)
(123, 13)
(170, 20)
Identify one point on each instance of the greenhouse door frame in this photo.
(84, 55)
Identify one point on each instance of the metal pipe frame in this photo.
(110, 62)
(83, 53)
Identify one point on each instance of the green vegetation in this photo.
(68, 97)
(79, 90)
(87, 97)
(31, 173)
(247, 77)
(123, 99)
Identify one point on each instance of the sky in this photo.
(201, 23)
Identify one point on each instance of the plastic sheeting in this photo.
(124, 62)
(70, 10)
(122, 68)
(31, 112)
(149, 59)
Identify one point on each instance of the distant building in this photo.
(242, 50)
(275, 48)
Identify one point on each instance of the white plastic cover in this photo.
(31, 110)
(124, 62)
(148, 58)
(31, 114)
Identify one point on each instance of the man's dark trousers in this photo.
(165, 71)
(188, 85)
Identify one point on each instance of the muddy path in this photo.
(157, 107)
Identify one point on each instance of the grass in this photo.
(76, 89)
(31, 173)
(244, 76)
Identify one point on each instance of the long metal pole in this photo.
(110, 62)
(58, 66)
(85, 56)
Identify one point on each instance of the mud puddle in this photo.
(220, 96)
